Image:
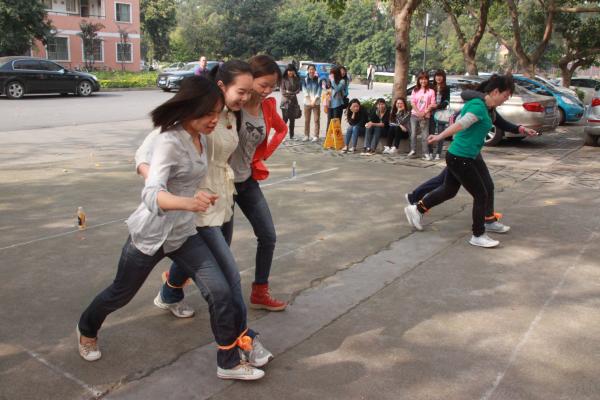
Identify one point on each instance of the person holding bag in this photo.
(290, 87)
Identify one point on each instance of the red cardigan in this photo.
(268, 147)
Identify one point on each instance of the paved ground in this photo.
(378, 311)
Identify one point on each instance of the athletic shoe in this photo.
(483, 241)
(414, 217)
(426, 157)
(437, 157)
(315, 139)
(305, 139)
(180, 309)
(411, 154)
(244, 372)
(261, 299)
(365, 152)
(351, 150)
(89, 351)
(496, 227)
(344, 149)
(407, 198)
(259, 356)
(393, 150)
(386, 150)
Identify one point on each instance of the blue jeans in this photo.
(196, 259)
(352, 133)
(372, 137)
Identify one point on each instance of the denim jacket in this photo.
(312, 90)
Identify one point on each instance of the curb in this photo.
(128, 89)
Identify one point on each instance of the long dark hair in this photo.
(290, 67)
(197, 97)
(337, 75)
(500, 82)
(263, 65)
(395, 109)
(349, 113)
(421, 75)
(228, 71)
(436, 87)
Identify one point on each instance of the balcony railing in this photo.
(82, 14)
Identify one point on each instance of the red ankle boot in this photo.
(261, 299)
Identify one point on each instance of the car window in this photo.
(190, 66)
(50, 66)
(27, 65)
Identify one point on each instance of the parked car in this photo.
(553, 85)
(587, 86)
(322, 70)
(30, 75)
(168, 81)
(592, 127)
(178, 66)
(523, 108)
(570, 108)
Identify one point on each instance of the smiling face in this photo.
(207, 123)
(237, 93)
(400, 105)
(424, 82)
(263, 86)
(312, 71)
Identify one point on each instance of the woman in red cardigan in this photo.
(257, 118)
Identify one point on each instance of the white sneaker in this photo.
(427, 157)
(259, 356)
(180, 309)
(244, 372)
(351, 150)
(407, 199)
(393, 150)
(386, 150)
(414, 217)
(305, 139)
(89, 351)
(344, 149)
(496, 227)
(411, 153)
(437, 157)
(315, 139)
(483, 241)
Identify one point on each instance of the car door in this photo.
(30, 74)
(58, 80)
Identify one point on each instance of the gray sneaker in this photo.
(89, 351)
(414, 217)
(243, 371)
(257, 357)
(180, 309)
(496, 227)
(483, 241)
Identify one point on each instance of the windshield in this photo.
(190, 66)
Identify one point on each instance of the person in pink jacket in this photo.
(422, 100)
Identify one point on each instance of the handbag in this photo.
(442, 116)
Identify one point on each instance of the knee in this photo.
(268, 238)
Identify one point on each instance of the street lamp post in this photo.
(426, 33)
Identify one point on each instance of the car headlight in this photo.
(567, 100)
(94, 77)
(175, 78)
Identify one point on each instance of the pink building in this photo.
(111, 51)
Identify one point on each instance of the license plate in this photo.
(549, 110)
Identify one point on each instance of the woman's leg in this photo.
(375, 141)
(292, 124)
(414, 130)
(446, 191)
(134, 267)
(348, 136)
(424, 127)
(484, 173)
(368, 135)
(428, 186)
(356, 130)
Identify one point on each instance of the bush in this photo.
(384, 79)
(369, 102)
(126, 79)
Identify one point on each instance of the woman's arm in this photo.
(463, 122)
(144, 153)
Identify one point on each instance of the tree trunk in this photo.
(566, 75)
(470, 63)
(402, 12)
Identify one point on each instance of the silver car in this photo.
(592, 127)
(522, 108)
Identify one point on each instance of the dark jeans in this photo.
(426, 187)
(196, 259)
(395, 133)
(438, 128)
(333, 113)
(352, 133)
(286, 118)
(474, 176)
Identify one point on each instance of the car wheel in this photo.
(590, 140)
(494, 136)
(561, 116)
(14, 90)
(84, 88)
(166, 90)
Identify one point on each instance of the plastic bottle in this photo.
(294, 169)
(81, 219)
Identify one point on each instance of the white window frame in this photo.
(117, 52)
(101, 51)
(130, 12)
(51, 3)
(77, 7)
(68, 48)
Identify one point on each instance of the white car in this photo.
(587, 86)
(592, 127)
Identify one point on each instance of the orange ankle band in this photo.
(243, 341)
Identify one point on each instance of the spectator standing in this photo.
(378, 124)
(312, 103)
(346, 79)
(370, 76)
(399, 124)
(422, 101)
(201, 69)
(442, 101)
(338, 88)
(290, 87)
(357, 118)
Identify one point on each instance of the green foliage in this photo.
(20, 23)
(157, 18)
(580, 94)
(126, 79)
(89, 37)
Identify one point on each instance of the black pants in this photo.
(394, 134)
(475, 177)
(333, 113)
(286, 118)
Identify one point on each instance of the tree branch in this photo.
(459, 33)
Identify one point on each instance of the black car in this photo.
(26, 75)
(168, 81)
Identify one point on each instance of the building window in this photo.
(58, 49)
(47, 4)
(123, 12)
(98, 53)
(72, 6)
(124, 52)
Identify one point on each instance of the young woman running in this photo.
(163, 226)
(465, 164)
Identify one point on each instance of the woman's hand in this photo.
(431, 139)
(528, 131)
(201, 201)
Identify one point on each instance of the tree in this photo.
(20, 23)
(122, 53)
(454, 8)
(157, 19)
(91, 42)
